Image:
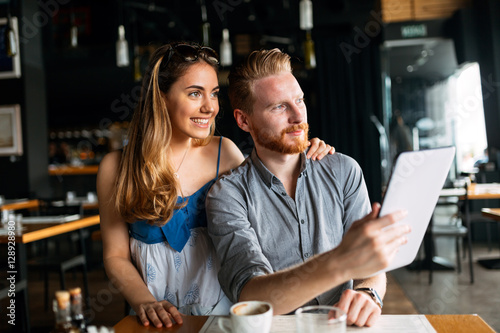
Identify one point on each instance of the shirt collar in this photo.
(267, 176)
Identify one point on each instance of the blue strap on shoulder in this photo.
(218, 157)
(177, 230)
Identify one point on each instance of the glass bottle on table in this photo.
(19, 224)
(77, 316)
(5, 218)
(14, 223)
(62, 312)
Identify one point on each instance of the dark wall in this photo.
(13, 173)
(349, 93)
(26, 175)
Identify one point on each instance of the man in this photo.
(279, 221)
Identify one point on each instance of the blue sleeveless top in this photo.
(176, 231)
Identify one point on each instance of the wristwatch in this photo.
(373, 294)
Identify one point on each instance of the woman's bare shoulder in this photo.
(109, 165)
(231, 155)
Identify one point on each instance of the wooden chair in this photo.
(458, 228)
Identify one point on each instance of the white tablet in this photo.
(415, 184)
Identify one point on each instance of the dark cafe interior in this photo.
(379, 78)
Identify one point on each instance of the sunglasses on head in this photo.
(192, 52)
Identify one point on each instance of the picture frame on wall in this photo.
(11, 138)
(10, 66)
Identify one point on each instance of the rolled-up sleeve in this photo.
(236, 244)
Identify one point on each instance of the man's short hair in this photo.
(258, 65)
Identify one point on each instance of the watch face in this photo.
(373, 294)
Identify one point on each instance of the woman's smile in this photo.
(201, 122)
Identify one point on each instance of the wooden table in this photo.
(35, 232)
(477, 192)
(38, 231)
(441, 323)
(482, 191)
(492, 213)
(21, 204)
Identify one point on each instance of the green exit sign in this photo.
(414, 30)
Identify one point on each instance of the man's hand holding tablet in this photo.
(371, 243)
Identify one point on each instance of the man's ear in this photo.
(242, 119)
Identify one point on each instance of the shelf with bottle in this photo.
(80, 150)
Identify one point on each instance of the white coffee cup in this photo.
(248, 317)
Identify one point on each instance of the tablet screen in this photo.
(415, 184)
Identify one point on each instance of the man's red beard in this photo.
(277, 142)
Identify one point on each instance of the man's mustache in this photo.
(303, 126)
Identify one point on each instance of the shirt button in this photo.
(283, 193)
(302, 221)
(306, 255)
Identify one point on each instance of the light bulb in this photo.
(226, 54)
(309, 53)
(205, 28)
(74, 36)
(137, 64)
(11, 45)
(306, 14)
(122, 57)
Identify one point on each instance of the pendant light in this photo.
(205, 26)
(309, 53)
(306, 23)
(306, 14)
(122, 56)
(226, 54)
(136, 48)
(10, 36)
(73, 31)
(137, 64)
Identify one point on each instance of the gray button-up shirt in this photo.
(258, 229)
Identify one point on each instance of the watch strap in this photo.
(373, 294)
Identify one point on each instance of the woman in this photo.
(163, 174)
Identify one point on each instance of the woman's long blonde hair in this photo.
(146, 188)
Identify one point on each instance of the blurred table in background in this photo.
(18, 204)
(64, 170)
(32, 232)
(64, 178)
(492, 213)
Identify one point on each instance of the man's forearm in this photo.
(289, 289)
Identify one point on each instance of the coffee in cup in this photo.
(247, 317)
